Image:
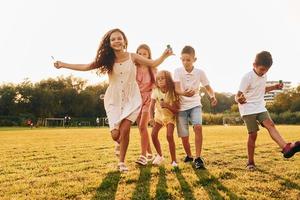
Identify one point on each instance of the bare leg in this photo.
(115, 134)
(170, 138)
(124, 138)
(154, 136)
(186, 146)
(269, 125)
(251, 146)
(198, 139)
(143, 123)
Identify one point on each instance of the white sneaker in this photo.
(174, 164)
(122, 167)
(117, 149)
(158, 160)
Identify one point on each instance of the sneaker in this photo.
(199, 163)
(289, 150)
(117, 149)
(122, 167)
(251, 167)
(174, 164)
(142, 160)
(188, 159)
(150, 157)
(158, 160)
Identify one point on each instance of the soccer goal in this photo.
(54, 122)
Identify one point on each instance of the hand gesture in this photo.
(241, 99)
(279, 86)
(58, 64)
(163, 104)
(188, 93)
(151, 122)
(213, 101)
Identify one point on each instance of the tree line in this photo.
(60, 96)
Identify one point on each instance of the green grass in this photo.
(79, 163)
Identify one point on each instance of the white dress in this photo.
(122, 98)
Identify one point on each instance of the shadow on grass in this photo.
(185, 187)
(108, 188)
(286, 182)
(161, 188)
(142, 189)
(212, 185)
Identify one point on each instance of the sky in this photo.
(225, 34)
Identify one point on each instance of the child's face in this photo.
(187, 60)
(260, 70)
(161, 80)
(117, 41)
(143, 52)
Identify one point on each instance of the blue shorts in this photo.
(193, 115)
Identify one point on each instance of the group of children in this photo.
(138, 92)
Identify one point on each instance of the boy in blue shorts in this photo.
(250, 99)
(188, 79)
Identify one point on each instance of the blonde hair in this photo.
(171, 94)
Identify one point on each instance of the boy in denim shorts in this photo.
(250, 99)
(187, 82)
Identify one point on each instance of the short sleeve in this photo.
(244, 84)
(176, 77)
(203, 78)
(154, 94)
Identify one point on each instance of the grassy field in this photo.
(79, 163)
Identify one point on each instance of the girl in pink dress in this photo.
(122, 99)
(145, 78)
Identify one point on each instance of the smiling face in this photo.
(161, 80)
(260, 70)
(187, 60)
(143, 52)
(117, 41)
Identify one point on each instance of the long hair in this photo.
(147, 48)
(171, 94)
(105, 57)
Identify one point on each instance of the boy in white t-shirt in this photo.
(188, 79)
(250, 99)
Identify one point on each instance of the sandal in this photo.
(142, 160)
(122, 167)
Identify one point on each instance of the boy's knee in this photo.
(268, 123)
(252, 136)
(198, 127)
(115, 134)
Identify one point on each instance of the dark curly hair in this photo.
(105, 57)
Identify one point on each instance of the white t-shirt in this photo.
(190, 80)
(253, 87)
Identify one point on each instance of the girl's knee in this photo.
(115, 134)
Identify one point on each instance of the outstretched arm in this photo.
(278, 86)
(77, 67)
(152, 63)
